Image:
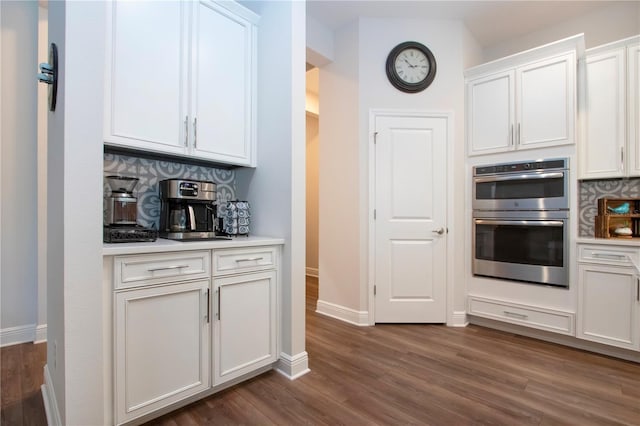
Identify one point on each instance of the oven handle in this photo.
(553, 175)
(557, 223)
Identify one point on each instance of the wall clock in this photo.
(411, 67)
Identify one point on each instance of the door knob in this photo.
(439, 231)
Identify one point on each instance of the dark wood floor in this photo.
(21, 375)
(421, 374)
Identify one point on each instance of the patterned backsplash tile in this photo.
(590, 191)
(151, 172)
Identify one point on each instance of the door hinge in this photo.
(374, 290)
(375, 138)
(374, 214)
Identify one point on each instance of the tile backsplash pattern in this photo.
(590, 191)
(151, 172)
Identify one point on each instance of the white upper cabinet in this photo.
(524, 101)
(546, 99)
(146, 76)
(223, 73)
(491, 112)
(633, 117)
(181, 79)
(610, 147)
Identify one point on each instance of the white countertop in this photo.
(161, 245)
(610, 241)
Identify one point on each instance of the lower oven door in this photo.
(532, 250)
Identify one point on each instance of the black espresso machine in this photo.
(188, 210)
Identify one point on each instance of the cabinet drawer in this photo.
(609, 254)
(231, 261)
(535, 317)
(133, 271)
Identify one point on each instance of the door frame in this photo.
(374, 113)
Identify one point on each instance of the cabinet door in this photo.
(246, 324)
(490, 113)
(545, 102)
(601, 156)
(162, 341)
(633, 116)
(608, 306)
(223, 78)
(146, 75)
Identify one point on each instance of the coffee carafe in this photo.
(178, 217)
(188, 210)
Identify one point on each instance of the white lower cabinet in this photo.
(245, 327)
(179, 329)
(608, 298)
(162, 341)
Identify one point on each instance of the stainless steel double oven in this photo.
(521, 221)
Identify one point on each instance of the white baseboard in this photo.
(293, 367)
(41, 334)
(458, 319)
(50, 401)
(313, 272)
(15, 335)
(360, 318)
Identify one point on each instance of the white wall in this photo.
(351, 86)
(18, 265)
(275, 188)
(43, 56)
(74, 350)
(601, 26)
(312, 193)
(339, 158)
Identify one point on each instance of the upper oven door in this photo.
(544, 190)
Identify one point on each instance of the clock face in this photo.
(411, 67)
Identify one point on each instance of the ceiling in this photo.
(490, 22)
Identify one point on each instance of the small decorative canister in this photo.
(236, 218)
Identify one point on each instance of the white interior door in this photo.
(410, 226)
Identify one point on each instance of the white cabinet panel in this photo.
(223, 75)
(610, 148)
(605, 103)
(162, 341)
(146, 269)
(633, 117)
(546, 102)
(242, 260)
(515, 313)
(608, 306)
(490, 113)
(146, 76)
(246, 322)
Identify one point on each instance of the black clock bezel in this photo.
(398, 82)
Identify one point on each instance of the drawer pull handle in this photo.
(516, 315)
(164, 268)
(218, 314)
(249, 259)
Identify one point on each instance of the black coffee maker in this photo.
(188, 210)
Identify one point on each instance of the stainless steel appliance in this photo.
(188, 210)
(521, 222)
(532, 185)
(121, 213)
